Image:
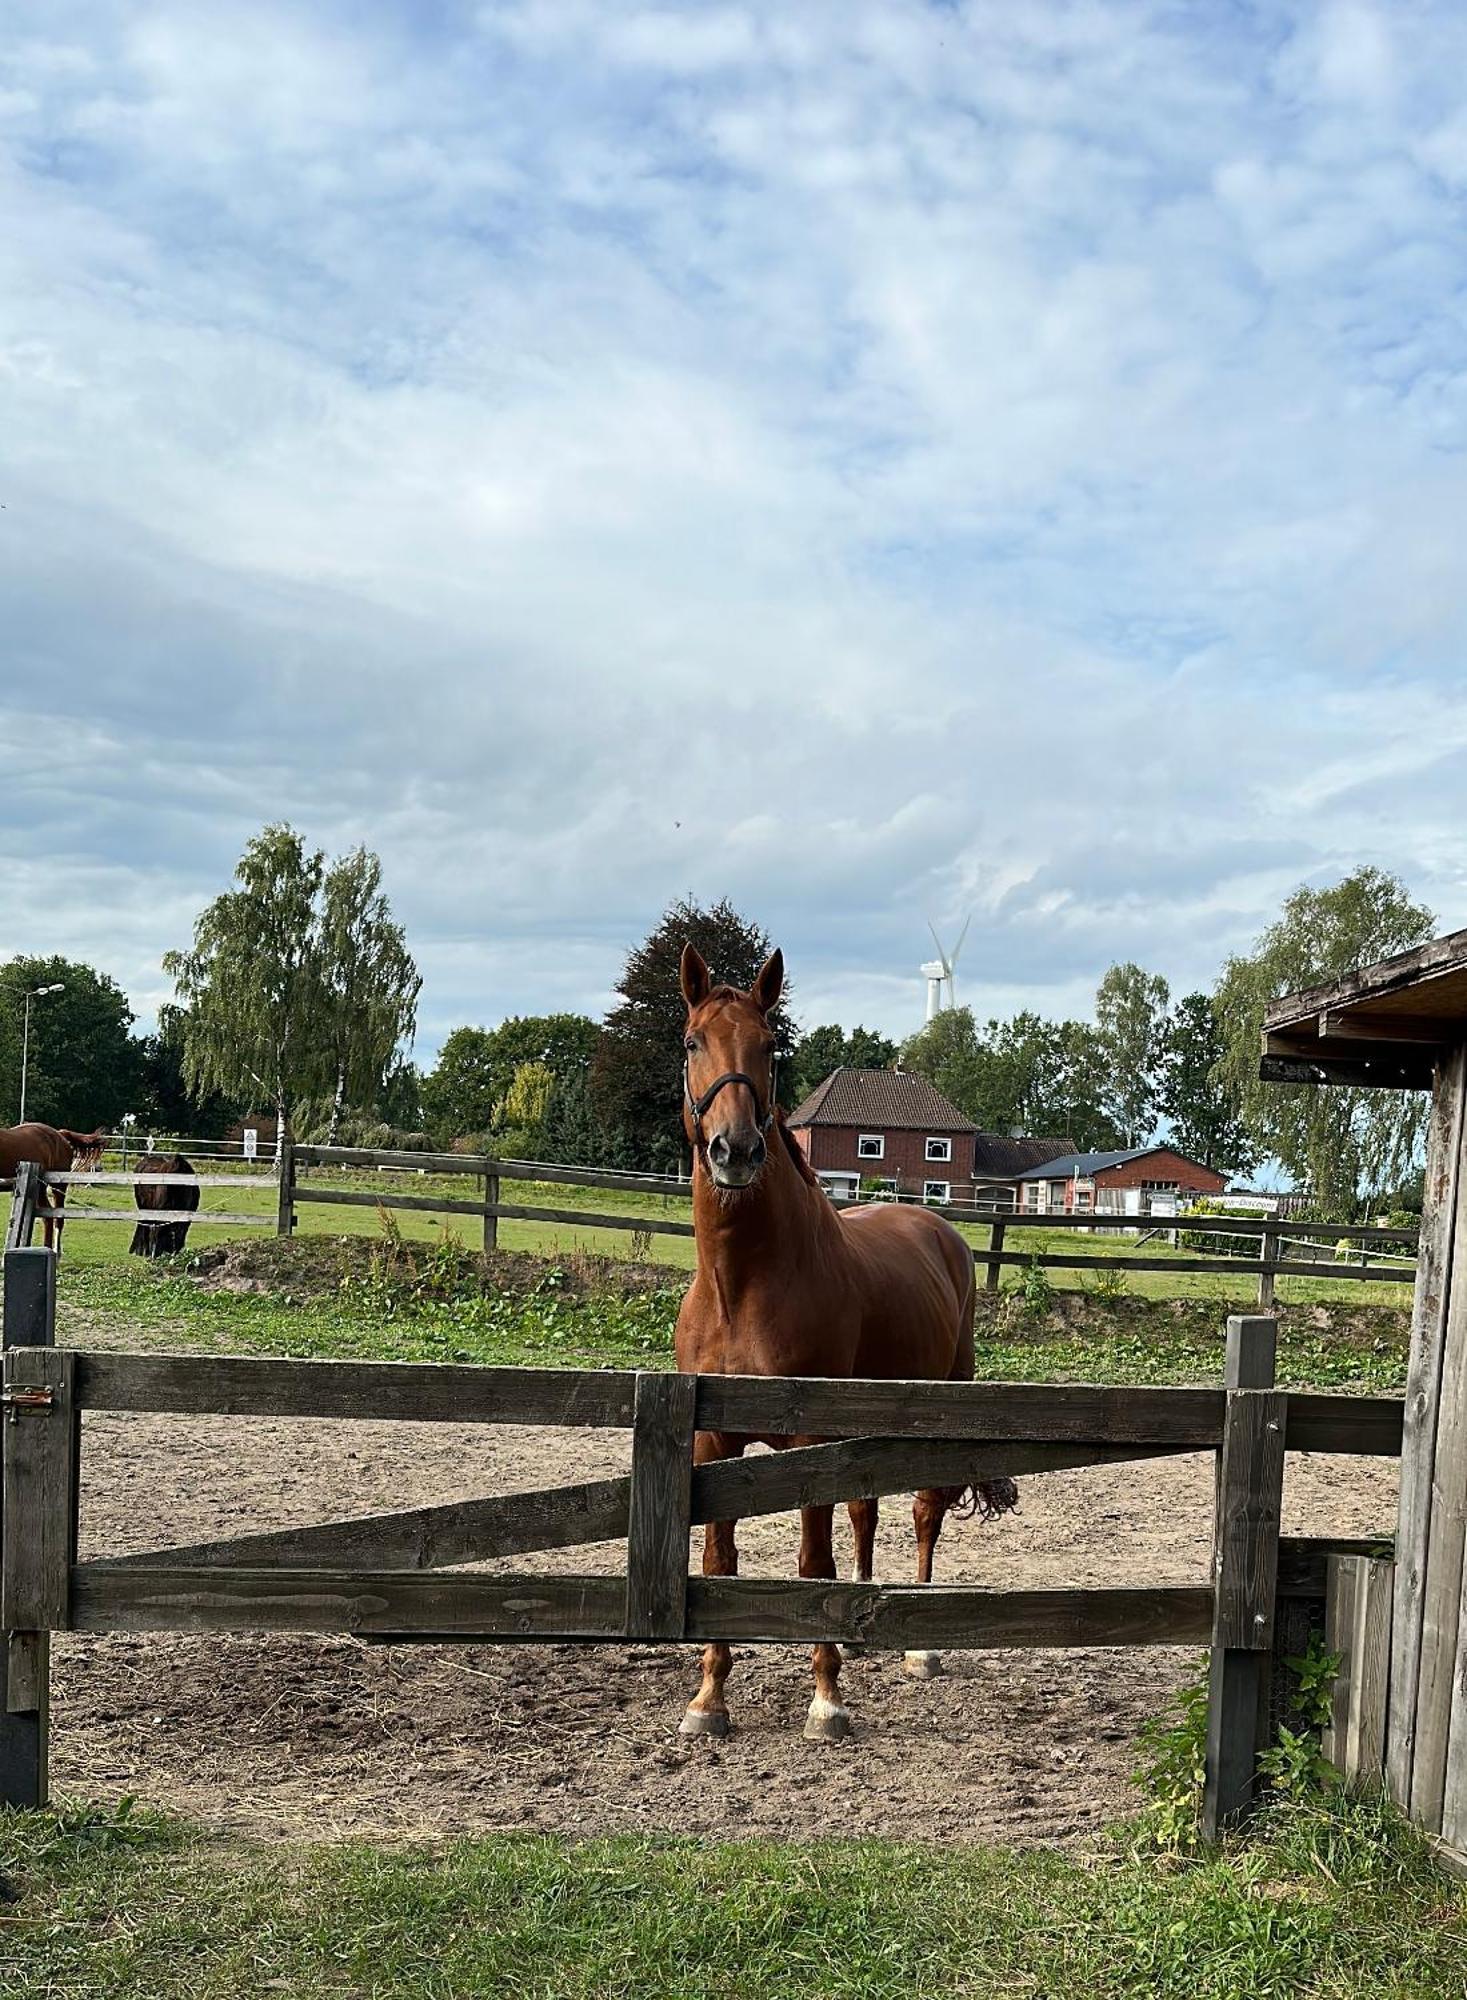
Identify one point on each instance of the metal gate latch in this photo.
(16, 1400)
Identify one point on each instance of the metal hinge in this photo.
(16, 1400)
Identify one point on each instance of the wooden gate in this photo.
(382, 1576)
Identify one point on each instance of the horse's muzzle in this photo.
(733, 1164)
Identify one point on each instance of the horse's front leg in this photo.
(707, 1712)
(829, 1719)
(929, 1511)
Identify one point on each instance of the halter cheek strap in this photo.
(698, 1106)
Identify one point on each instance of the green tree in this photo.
(951, 1054)
(1024, 1075)
(636, 1076)
(1344, 1145)
(1131, 1022)
(84, 1064)
(831, 1048)
(251, 984)
(476, 1066)
(165, 1102)
(1194, 1101)
(370, 985)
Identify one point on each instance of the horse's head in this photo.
(728, 1068)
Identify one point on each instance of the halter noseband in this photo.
(699, 1105)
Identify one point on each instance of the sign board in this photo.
(251, 1143)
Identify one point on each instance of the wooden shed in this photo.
(1402, 1024)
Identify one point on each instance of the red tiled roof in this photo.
(881, 1100)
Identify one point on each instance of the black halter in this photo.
(699, 1105)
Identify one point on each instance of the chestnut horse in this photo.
(55, 1151)
(788, 1285)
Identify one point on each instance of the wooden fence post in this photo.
(25, 1656)
(1358, 1628)
(285, 1170)
(1268, 1254)
(661, 1507)
(995, 1244)
(491, 1222)
(23, 1206)
(1245, 1570)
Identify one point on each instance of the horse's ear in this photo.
(695, 978)
(768, 983)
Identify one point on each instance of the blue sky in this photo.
(867, 460)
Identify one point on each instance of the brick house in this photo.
(1147, 1180)
(887, 1128)
(999, 1159)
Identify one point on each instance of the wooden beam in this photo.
(414, 1391)
(660, 1517)
(205, 1181)
(1374, 983)
(74, 1213)
(1342, 1026)
(1358, 1627)
(22, 1206)
(107, 1598)
(29, 1320)
(1361, 1426)
(1386, 1072)
(40, 1489)
(761, 1406)
(441, 1205)
(1446, 1136)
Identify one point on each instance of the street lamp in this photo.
(36, 993)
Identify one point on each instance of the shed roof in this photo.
(1381, 1025)
(881, 1100)
(999, 1154)
(1071, 1164)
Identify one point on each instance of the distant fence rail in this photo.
(1359, 1252)
(1272, 1261)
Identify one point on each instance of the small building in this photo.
(998, 1161)
(1145, 1180)
(889, 1130)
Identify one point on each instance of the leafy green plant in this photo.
(1175, 1768)
(1036, 1292)
(1109, 1284)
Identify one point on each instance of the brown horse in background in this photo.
(788, 1285)
(55, 1151)
(162, 1239)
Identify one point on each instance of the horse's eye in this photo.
(690, 1042)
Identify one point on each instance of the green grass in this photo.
(1335, 1901)
(104, 1242)
(426, 1302)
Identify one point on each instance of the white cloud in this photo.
(865, 460)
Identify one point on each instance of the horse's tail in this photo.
(988, 1500)
(86, 1147)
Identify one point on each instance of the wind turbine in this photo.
(942, 971)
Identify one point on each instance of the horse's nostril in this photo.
(756, 1153)
(718, 1149)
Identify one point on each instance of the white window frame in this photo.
(867, 1139)
(888, 1187)
(942, 1156)
(943, 1195)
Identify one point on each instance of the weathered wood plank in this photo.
(135, 1598)
(76, 1212)
(997, 1229)
(442, 1205)
(1304, 1560)
(286, 1188)
(1454, 1800)
(22, 1207)
(1402, 1071)
(204, 1181)
(1445, 1137)
(25, 1659)
(1250, 1508)
(1365, 1755)
(40, 1486)
(769, 1406)
(108, 1598)
(866, 1468)
(1058, 1260)
(459, 1531)
(1372, 983)
(1363, 1426)
(1339, 1637)
(1238, 1676)
(661, 1506)
(29, 1320)
(1442, 1592)
(413, 1391)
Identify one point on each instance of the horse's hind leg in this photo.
(829, 1719)
(863, 1526)
(707, 1712)
(928, 1512)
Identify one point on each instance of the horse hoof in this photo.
(827, 1721)
(704, 1722)
(922, 1666)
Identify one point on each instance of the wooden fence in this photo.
(382, 1577)
(1272, 1261)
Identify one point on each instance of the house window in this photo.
(936, 1190)
(1083, 1197)
(870, 1146)
(1162, 1187)
(939, 1149)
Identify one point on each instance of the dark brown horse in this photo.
(787, 1285)
(162, 1239)
(55, 1151)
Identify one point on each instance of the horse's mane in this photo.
(796, 1152)
(84, 1145)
